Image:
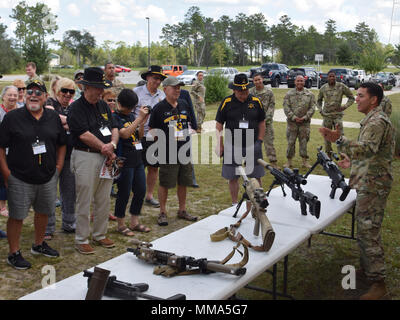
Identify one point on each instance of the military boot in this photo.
(377, 291)
(289, 163)
(306, 164)
(274, 164)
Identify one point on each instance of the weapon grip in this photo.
(303, 206)
(217, 267)
(267, 233)
(333, 191)
(344, 194)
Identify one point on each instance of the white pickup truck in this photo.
(361, 75)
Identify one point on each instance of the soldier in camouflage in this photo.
(267, 99)
(386, 104)
(370, 158)
(199, 94)
(299, 107)
(117, 85)
(332, 111)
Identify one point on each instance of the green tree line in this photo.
(197, 41)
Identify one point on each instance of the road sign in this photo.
(319, 57)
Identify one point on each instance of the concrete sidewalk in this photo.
(279, 116)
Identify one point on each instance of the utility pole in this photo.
(148, 41)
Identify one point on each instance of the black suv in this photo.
(310, 77)
(273, 73)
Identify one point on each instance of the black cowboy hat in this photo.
(153, 70)
(240, 82)
(95, 77)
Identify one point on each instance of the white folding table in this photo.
(193, 240)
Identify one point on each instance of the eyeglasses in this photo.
(22, 89)
(79, 78)
(37, 93)
(65, 90)
(111, 100)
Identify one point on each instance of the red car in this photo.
(122, 69)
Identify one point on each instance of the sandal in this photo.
(126, 232)
(141, 228)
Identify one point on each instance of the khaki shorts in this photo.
(170, 174)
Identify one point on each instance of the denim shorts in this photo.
(22, 195)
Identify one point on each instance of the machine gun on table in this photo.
(294, 181)
(170, 264)
(259, 203)
(118, 289)
(333, 172)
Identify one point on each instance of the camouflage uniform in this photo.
(117, 86)
(386, 106)
(300, 104)
(330, 112)
(199, 91)
(267, 99)
(371, 175)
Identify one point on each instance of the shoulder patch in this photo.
(227, 100)
(257, 100)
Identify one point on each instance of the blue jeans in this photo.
(130, 179)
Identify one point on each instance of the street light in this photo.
(148, 41)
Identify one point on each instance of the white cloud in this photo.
(73, 10)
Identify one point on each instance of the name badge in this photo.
(39, 147)
(105, 131)
(139, 146)
(243, 124)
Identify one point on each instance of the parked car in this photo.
(274, 73)
(228, 73)
(174, 70)
(310, 77)
(189, 76)
(361, 75)
(122, 68)
(386, 78)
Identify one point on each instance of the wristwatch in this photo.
(114, 145)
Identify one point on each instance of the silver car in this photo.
(189, 76)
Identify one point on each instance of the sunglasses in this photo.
(37, 93)
(65, 90)
(111, 100)
(79, 78)
(21, 89)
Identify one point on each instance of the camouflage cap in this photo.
(172, 81)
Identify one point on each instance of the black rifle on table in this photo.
(180, 265)
(119, 289)
(333, 172)
(294, 180)
(259, 203)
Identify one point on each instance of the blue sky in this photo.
(124, 20)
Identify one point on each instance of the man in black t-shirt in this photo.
(35, 141)
(95, 137)
(170, 122)
(243, 116)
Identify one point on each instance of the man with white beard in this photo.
(35, 140)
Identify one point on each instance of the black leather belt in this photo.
(87, 150)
